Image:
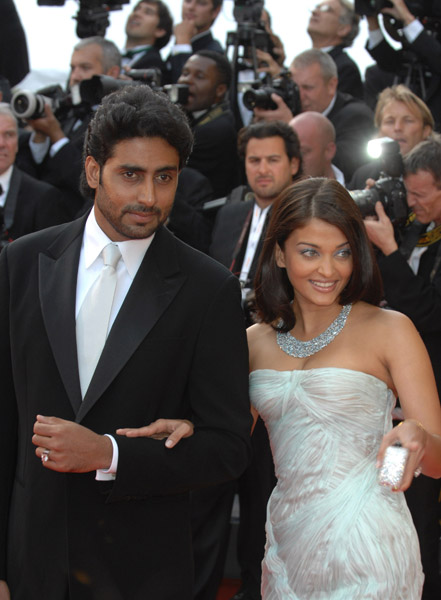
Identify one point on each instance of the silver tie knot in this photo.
(111, 255)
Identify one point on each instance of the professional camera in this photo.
(388, 189)
(92, 17)
(419, 8)
(30, 105)
(259, 95)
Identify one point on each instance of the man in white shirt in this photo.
(96, 514)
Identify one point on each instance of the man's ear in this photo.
(330, 150)
(159, 33)
(221, 90)
(295, 163)
(92, 170)
(280, 257)
(332, 85)
(113, 71)
(343, 30)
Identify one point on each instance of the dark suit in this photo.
(419, 297)
(214, 152)
(354, 126)
(14, 61)
(349, 78)
(31, 205)
(177, 349)
(176, 62)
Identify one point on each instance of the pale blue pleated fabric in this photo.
(333, 533)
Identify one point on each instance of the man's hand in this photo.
(70, 447)
(47, 126)
(281, 113)
(172, 429)
(4, 591)
(184, 32)
(267, 64)
(399, 11)
(381, 232)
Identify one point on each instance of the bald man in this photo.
(316, 134)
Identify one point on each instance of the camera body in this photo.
(30, 105)
(419, 8)
(259, 95)
(389, 189)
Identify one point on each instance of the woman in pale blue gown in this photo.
(326, 365)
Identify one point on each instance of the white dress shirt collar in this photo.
(5, 179)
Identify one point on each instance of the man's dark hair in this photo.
(425, 156)
(135, 111)
(223, 65)
(268, 129)
(217, 3)
(165, 21)
(314, 198)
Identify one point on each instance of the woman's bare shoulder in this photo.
(382, 323)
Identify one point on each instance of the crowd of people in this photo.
(166, 230)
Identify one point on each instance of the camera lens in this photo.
(27, 105)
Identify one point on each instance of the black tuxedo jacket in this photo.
(349, 78)
(354, 127)
(32, 205)
(177, 349)
(228, 226)
(176, 62)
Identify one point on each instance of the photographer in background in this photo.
(412, 285)
(402, 116)
(418, 63)
(332, 27)
(52, 153)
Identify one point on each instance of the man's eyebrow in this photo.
(129, 167)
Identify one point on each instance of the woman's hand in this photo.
(411, 435)
(172, 429)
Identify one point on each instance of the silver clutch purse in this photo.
(394, 463)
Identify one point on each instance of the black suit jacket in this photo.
(151, 59)
(353, 122)
(31, 205)
(349, 78)
(176, 62)
(177, 349)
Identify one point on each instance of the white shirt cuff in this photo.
(110, 473)
(413, 30)
(375, 38)
(57, 146)
(38, 151)
(181, 48)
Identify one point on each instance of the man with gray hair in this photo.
(332, 27)
(52, 153)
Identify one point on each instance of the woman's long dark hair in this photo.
(329, 201)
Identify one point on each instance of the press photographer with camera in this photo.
(412, 285)
(418, 63)
(52, 153)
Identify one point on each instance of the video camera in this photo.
(92, 17)
(419, 8)
(30, 105)
(259, 94)
(389, 189)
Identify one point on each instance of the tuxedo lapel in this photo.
(155, 286)
(58, 269)
(11, 198)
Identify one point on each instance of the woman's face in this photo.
(403, 125)
(318, 262)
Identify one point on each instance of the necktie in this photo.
(93, 318)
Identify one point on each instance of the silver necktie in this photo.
(93, 318)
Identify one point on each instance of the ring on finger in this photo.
(45, 455)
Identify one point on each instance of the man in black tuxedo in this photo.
(271, 153)
(315, 74)
(193, 34)
(412, 284)
(84, 515)
(208, 76)
(26, 204)
(148, 29)
(332, 27)
(52, 153)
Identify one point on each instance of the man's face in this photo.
(86, 63)
(8, 142)
(200, 12)
(268, 168)
(201, 75)
(316, 153)
(315, 93)
(142, 24)
(424, 196)
(403, 125)
(135, 189)
(324, 20)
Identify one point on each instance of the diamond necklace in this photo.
(294, 347)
